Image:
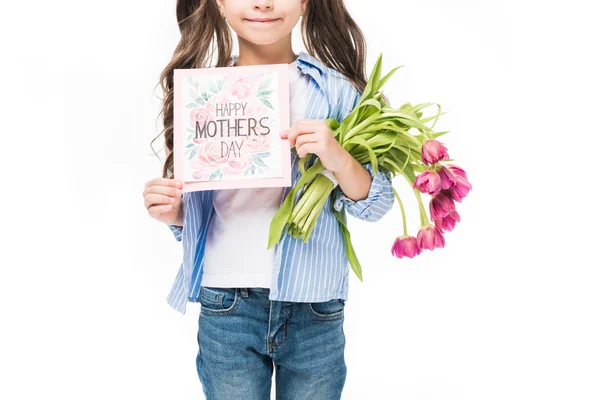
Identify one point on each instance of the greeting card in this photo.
(226, 123)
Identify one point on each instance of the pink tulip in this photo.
(456, 170)
(429, 182)
(448, 222)
(430, 237)
(433, 151)
(460, 189)
(461, 186)
(405, 246)
(447, 177)
(441, 205)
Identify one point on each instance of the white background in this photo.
(507, 310)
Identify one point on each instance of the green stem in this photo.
(360, 126)
(422, 213)
(402, 211)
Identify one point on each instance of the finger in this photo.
(306, 148)
(307, 138)
(166, 190)
(172, 192)
(160, 199)
(298, 130)
(164, 182)
(152, 184)
(158, 210)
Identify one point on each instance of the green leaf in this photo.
(258, 161)
(264, 84)
(200, 101)
(266, 102)
(389, 74)
(438, 134)
(212, 87)
(285, 210)
(350, 254)
(191, 105)
(214, 174)
(264, 93)
(362, 142)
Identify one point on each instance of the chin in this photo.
(260, 41)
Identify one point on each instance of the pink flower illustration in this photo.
(256, 108)
(200, 114)
(257, 144)
(208, 159)
(241, 88)
(237, 165)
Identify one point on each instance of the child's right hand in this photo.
(162, 198)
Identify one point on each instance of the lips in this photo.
(262, 19)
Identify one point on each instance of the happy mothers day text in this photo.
(231, 127)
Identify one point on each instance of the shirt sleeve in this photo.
(177, 231)
(381, 196)
(378, 202)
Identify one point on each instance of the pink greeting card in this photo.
(226, 123)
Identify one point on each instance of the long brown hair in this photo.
(328, 32)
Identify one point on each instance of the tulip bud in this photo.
(405, 246)
(428, 182)
(461, 186)
(448, 222)
(433, 151)
(430, 237)
(441, 205)
(456, 170)
(447, 178)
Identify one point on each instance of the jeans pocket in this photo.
(327, 310)
(217, 300)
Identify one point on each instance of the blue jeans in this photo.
(242, 335)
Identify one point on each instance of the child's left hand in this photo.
(314, 136)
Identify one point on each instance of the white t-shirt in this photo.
(236, 253)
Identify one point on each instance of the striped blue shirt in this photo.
(312, 271)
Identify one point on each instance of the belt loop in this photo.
(244, 292)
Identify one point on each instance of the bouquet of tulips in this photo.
(377, 133)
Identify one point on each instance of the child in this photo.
(282, 307)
